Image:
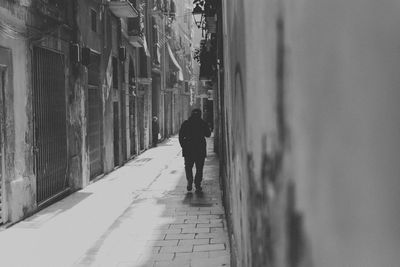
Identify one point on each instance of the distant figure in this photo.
(192, 140)
(155, 130)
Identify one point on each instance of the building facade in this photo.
(77, 95)
(36, 78)
(309, 127)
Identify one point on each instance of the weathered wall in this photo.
(109, 94)
(344, 120)
(79, 159)
(310, 132)
(20, 183)
(87, 38)
(130, 55)
(15, 58)
(234, 171)
(147, 117)
(20, 178)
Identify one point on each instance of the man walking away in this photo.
(192, 140)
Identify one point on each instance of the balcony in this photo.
(53, 9)
(135, 31)
(123, 9)
(174, 65)
(172, 79)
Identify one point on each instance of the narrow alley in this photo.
(138, 215)
(302, 100)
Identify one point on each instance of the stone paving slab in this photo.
(203, 239)
(139, 215)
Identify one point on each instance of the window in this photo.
(93, 17)
(131, 72)
(156, 52)
(133, 26)
(186, 87)
(143, 63)
(186, 17)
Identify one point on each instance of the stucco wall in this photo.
(311, 129)
(20, 183)
(100, 42)
(20, 177)
(344, 116)
(235, 136)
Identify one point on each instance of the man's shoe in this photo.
(198, 188)
(189, 187)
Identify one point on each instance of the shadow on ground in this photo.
(45, 215)
(167, 226)
(195, 220)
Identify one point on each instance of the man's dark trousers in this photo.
(189, 162)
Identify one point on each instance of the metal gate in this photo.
(95, 117)
(123, 124)
(132, 125)
(2, 107)
(116, 134)
(132, 107)
(50, 123)
(141, 121)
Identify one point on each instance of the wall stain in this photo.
(259, 207)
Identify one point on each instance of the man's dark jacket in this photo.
(192, 137)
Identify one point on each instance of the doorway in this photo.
(50, 129)
(2, 154)
(116, 134)
(95, 117)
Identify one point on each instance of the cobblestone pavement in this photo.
(139, 215)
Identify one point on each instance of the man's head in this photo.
(196, 113)
(155, 118)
